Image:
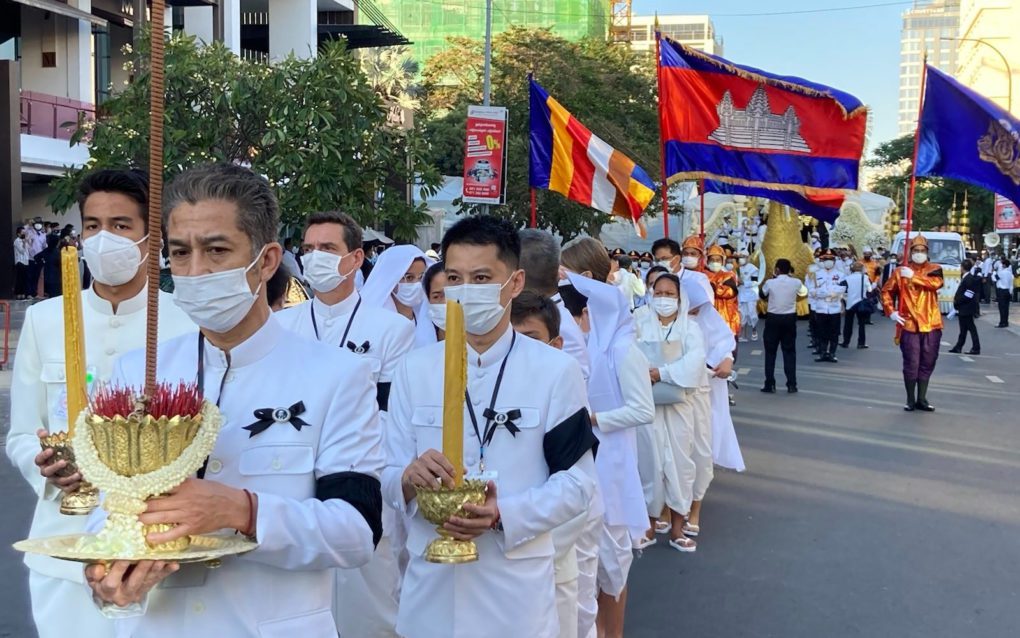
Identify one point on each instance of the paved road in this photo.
(854, 518)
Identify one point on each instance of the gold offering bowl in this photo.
(82, 500)
(438, 505)
(136, 446)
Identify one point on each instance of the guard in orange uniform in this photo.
(919, 319)
(724, 284)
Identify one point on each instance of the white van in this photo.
(945, 249)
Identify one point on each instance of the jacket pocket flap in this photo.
(52, 372)
(427, 417)
(277, 459)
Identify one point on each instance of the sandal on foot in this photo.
(683, 544)
(662, 527)
(644, 542)
(691, 530)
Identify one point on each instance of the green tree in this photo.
(934, 197)
(607, 87)
(316, 128)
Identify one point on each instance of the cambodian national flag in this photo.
(965, 136)
(822, 205)
(565, 157)
(741, 125)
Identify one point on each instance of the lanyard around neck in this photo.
(490, 419)
(343, 339)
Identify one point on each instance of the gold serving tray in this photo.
(201, 549)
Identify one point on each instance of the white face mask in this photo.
(665, 306)
(742, 261)
(482, 307)
(828, 264)
(690, 262)
(437, 313)
(113, 260)
(665, 263)
(38, 227)
(322, 270)
(411, 295)
(217, 301)
(713, 266)
(919, 258)
(729, 266)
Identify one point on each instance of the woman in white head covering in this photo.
(675, 350)
(395, 283)
(620, 398)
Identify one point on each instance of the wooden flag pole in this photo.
(910, 197)
(701, 196)
(662, 147)
(534, 210)
(156, 104)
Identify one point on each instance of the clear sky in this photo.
(856, 51)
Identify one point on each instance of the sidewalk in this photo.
(17, 318)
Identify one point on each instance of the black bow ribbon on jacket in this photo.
(506, 419)
(268, 416)
(356, 349)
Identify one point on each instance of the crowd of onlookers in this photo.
(37, 247)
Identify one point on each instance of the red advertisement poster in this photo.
(485, 155)
(1007, 216)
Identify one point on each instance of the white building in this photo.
(988, 49)
(928, 27)
(696, 31)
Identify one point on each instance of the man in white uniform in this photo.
(114, 230)
(302, 483)
(525, 420)
(366, 599)
(747, 295)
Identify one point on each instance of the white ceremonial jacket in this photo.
(285, 587)
(748, 290)
(39, 393)
(509, 592)
(827, 291)
(382, 337)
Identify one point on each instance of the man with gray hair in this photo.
(540, 261)
(303, 482)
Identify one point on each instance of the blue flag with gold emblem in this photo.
(966, 136)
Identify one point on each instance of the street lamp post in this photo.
(1005, 62)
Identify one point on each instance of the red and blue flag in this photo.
(737, 124)
(822, 205)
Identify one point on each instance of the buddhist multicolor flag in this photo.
(732, 123)
(568, 159)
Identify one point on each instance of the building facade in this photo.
(988, 50)
(696, 31)
(428, 23)
(929, 27)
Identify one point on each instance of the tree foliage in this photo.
(607, 87)
(934, 197)
(316, 128)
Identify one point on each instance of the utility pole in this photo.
(487, 72)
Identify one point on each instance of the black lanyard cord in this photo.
(490, 422)
(350, 322)
(200, 382)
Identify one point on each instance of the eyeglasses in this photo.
(411, 278)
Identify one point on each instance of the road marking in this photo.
(756, 352)
(743, 371)
(994, 379)
(967, 359)
(945, 343)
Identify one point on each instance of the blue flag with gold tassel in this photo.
(966, 136)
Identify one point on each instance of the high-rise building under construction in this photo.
(428, 23)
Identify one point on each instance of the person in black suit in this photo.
(968, 293)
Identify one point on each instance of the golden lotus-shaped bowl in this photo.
(85, 498)
(437, 505)
(135, 446)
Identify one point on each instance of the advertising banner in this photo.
(1007, 216)
(485, 155)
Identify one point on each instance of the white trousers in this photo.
(701, 401)
(665, 459)
(587, 576)
(616, 555)
(749, 313)
(566, 608)
(62, 608)
(365, 599)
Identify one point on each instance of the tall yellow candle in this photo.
(454, 388)
(74, 336)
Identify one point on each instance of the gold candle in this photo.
(74, 337)
(454, 388)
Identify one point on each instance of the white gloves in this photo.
(895, 316)
(906, 272)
